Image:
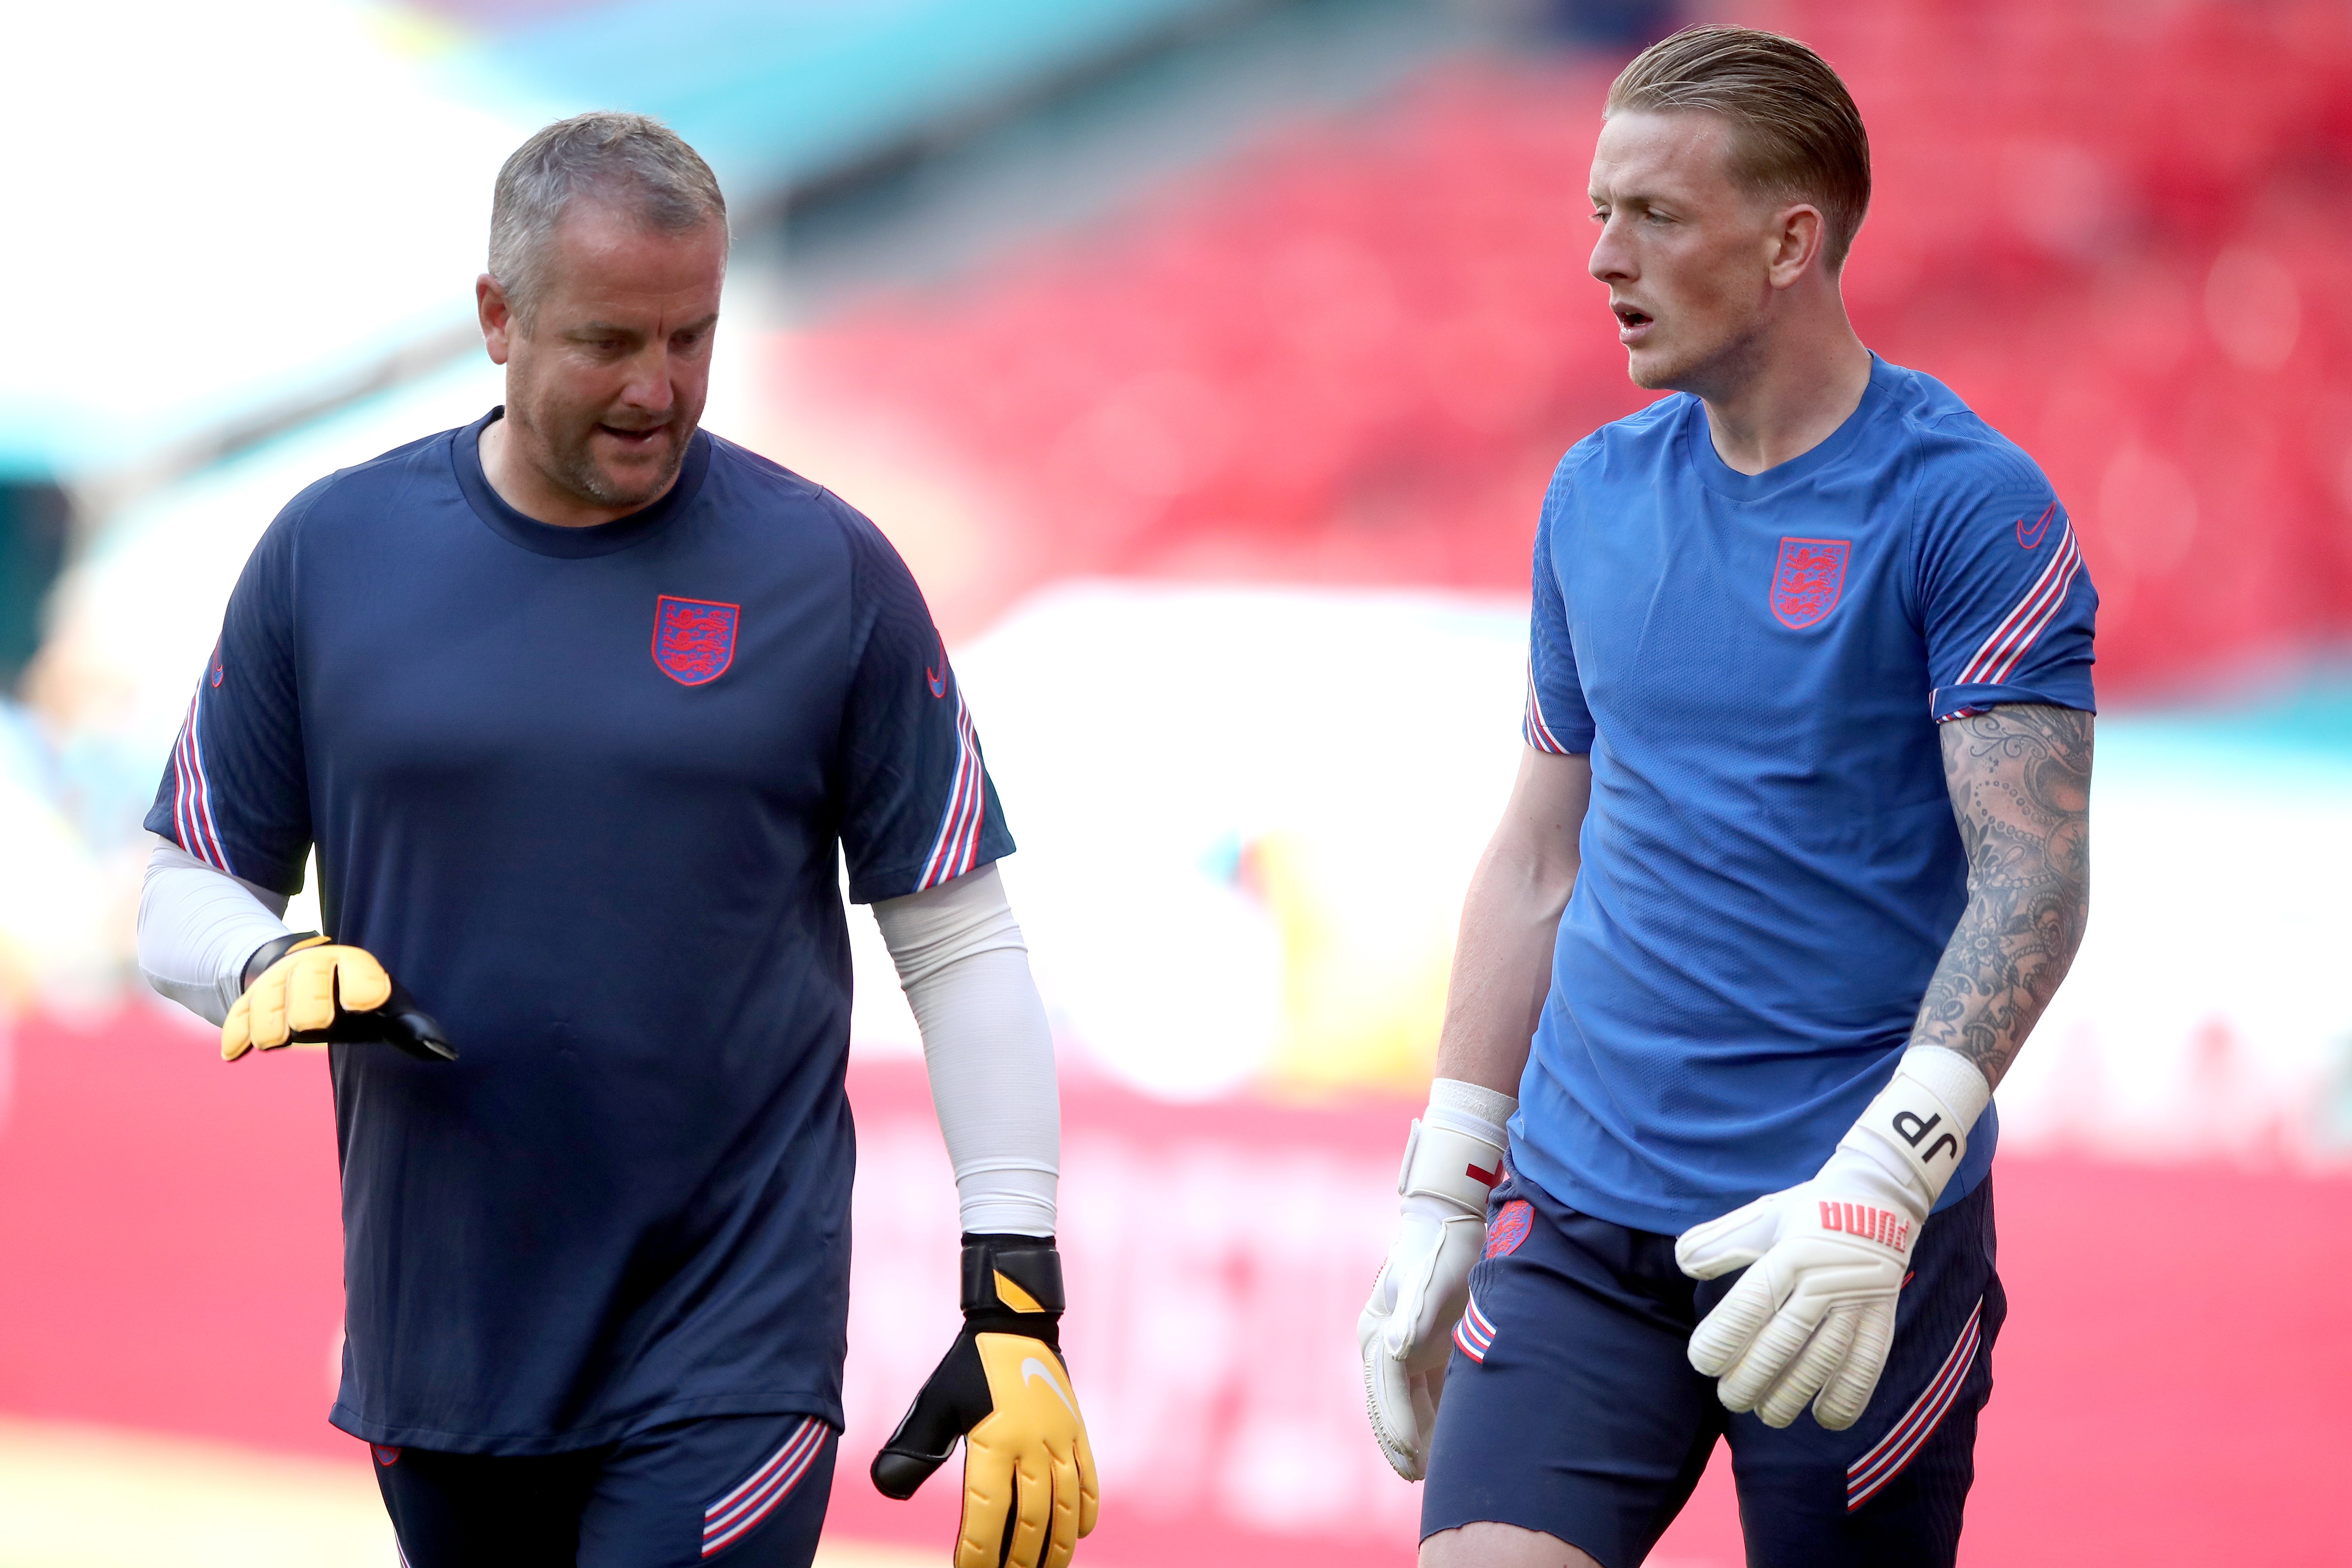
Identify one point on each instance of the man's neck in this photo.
(522, 487)
(1791, 395)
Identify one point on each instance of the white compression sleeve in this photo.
(965, 971)
(196, 928)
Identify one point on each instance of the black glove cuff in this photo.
(269, 952)
(1028, 1263)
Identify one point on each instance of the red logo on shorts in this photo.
(1510, 1228)
(1807, 580)
(694, 639)
(386, 1454)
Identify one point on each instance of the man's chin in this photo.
(1652, 371)
(628, 488)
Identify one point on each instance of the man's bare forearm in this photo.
(1510, 919)
(2020, 784)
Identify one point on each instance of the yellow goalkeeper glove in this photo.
(1029, 1489)
(303, 989)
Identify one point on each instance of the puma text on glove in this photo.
(1453, 1159)
(1029, 1489)
(304, 989)
(1813, 1318)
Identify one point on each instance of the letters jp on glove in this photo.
(1813, 1319)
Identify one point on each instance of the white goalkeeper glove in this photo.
(1814, 1314)
(1453, 1159)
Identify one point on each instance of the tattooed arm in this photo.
(2020, 781)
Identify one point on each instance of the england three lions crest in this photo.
(694, 639)
(1807, 580)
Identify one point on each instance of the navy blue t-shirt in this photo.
(1756, 665)
(583, 790)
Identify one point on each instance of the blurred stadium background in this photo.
(1206, 359)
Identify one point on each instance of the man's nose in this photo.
(1611, 258)
(650, 385)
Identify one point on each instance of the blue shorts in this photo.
(1570, 1406)
(738, 1491)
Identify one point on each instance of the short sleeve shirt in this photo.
(1756, 665)
(586, 792)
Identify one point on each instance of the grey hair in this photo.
(633, 159)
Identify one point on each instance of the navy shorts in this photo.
(738, 1492)
(1570, 1408)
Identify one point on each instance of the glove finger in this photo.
(308, 988)
(1724, 1335)
(1033, 1506)
(1735, 1241)
(1387, 1402)
(1847, 1393)
(1371, 1324)
(1411, 1270)
(236, 1029)
(1062, 1540)
(1426, 1388)
(1089, 1492)
(266, 1017)
(1769, 1355)
(1821, 1357)
(987, 1504)
(361, 984)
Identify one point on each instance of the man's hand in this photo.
(1814, 1315)
(1029, 1489)
(1452, 1159)
(308, 990)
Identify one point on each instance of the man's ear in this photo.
(1796, 238)
(497, 317)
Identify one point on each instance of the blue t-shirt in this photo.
(1756, 665)
(582, 790)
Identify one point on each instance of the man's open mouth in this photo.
(1627, 316)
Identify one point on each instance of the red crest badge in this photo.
(1807, 579)
(1509, 1229)
(694, 639)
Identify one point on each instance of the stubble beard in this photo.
(1702, 369)
(573, 468)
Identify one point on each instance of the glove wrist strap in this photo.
(1443, 1163)
(270, 952)
(1012, 1273)
(1923, 1118)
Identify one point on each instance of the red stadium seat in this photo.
(1354, 353)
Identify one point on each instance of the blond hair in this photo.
(1795, 131)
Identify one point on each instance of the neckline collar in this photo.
(1721, 477)
(550, 539)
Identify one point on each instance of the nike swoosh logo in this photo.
(2030, 537)
(1032, 1369)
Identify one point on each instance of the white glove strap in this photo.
(1455, 1153)
(1923, 1118)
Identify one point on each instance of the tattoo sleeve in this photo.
(2020, 782)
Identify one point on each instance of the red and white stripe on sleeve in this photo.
(957, 847)
(1997, 657)
(191, 791)
(1533, 726)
